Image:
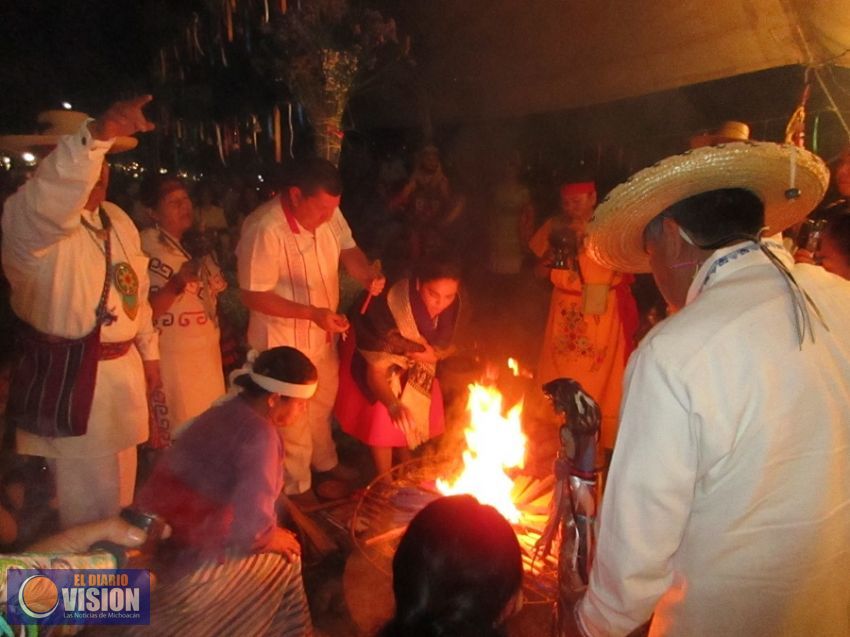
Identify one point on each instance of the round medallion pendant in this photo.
(125, 278)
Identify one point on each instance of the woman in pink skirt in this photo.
(389, 396)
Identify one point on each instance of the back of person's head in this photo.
(285, 364)
(456, 569)
(442, 264)
(155, 186)
(310, 176)
(719, 217)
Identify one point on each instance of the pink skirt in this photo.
(371, 422)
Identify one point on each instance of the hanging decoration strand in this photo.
(816, 70)
(832, 103)
(219, 143)
(228, 18)
(291, 132)
(278, 151)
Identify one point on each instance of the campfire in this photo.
(495, 443)
(491, 471)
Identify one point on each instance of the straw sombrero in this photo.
(53, 125)
(615, 234)
(729, 131)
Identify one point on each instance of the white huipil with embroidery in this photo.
(192, 376)
(56, 270)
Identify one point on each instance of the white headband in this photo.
(284, 389)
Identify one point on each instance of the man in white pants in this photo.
(54, 247)
(288, 261)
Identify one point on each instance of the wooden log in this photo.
(520, 484)
(533, 521)
(311, 531)
(535, 490)
(321, 506)
(536, 509)
(386, 536)
(534, 564)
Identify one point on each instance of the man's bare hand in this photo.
(428, 355)
(187, 274)
(376, 286)
(285, 543)
(122, 119)
(330, 321)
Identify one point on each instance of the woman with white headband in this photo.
(217, 487)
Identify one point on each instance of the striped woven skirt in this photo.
(256, 595)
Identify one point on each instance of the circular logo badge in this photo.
(38, 596)
(126, 279)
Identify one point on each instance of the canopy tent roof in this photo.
(492, 59)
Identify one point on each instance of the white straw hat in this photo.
(729, 131)
(53, 125)
(789, 180)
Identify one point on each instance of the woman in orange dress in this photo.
(592, 314)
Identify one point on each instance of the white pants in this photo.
(309, 442)
(90, 489)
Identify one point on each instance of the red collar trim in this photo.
(290, 218)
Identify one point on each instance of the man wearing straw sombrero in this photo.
(727, 507)
(79, 286)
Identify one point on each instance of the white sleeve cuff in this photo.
(88, 141)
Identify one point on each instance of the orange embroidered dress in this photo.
(589, 348)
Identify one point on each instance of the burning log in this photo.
(538, 488)
(386, 536)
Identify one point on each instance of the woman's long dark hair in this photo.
(455, 571)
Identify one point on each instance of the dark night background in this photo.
(81, 51)
(90, 52)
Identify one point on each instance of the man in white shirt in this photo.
(727, 507)
(54, 247)
(288, 261)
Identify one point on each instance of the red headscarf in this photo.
(578, 188)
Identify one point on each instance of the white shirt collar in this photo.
(729, 259)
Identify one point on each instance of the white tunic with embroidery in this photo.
(56, 269)
(727, 506)
(188, 331)
(277, 254)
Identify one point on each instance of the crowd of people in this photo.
(725, 425)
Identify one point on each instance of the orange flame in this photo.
(494, 443)
(513, 365)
